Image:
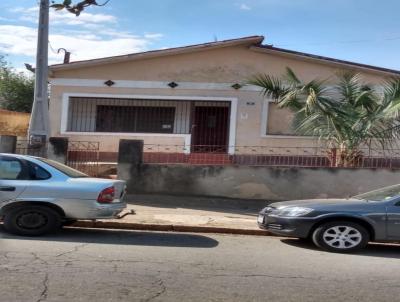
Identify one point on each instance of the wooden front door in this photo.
(210, 129)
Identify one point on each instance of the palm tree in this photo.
(347, 115)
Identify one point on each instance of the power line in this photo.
(52, 49)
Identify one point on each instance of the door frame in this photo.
(194, 127)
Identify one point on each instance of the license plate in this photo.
(260, 219)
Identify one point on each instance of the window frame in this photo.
(30, 166)
(264, 125)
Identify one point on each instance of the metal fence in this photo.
(81, 155)
(84, 156)
(25, 148)
(273, 156)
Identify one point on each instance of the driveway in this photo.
(109, 265)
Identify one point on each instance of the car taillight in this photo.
(107, 195)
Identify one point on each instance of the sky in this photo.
(365, 31)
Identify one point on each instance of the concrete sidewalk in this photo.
(187, 214)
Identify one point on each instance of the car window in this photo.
(63, 168)
(382, 194)
(10, 168)
(37, 173)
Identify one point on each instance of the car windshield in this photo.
(381, 194)
(63, 168)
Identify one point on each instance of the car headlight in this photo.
(267, 210)
(293, 211)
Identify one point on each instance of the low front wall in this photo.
(272, 183)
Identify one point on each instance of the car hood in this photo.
(313, 203)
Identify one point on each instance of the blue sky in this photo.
(366, 31)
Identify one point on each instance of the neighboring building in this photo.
(188, 98)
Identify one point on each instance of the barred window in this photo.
(135, 119)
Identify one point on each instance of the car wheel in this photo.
(340, 236)
(31, 220)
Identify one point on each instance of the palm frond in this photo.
(348, 115)
(291, 77)
(391, 97)
(271, 86)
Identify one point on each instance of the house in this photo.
(186, 100)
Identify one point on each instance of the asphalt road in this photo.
(102, 265)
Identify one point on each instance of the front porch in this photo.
(199, 124)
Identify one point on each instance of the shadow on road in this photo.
(385, 250)
(101, 236)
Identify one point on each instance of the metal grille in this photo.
(24, 148)
(272, 156)
(81, 155)
(129, 115)
(84, 156)
(210, 129)
(207, 121)
(135, 119)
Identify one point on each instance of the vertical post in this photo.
(39, 123)
(58, 149)
(8, 144)
(130, 158)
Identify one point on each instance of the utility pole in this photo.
(38, 131)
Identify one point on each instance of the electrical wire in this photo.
(52, 49)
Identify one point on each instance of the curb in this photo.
(167, 228)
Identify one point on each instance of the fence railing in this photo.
(81, 155)
(272, 156)
(25, 148)
(84, 156)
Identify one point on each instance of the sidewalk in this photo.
(187, 214)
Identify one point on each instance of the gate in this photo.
(81, 155)
(24, 148)
(84, 156)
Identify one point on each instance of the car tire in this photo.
(340, 236)
(68, 222)
(31, 220)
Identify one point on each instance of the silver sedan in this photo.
(39, 195)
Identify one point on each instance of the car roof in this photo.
(20, 156)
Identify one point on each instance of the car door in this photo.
(393, 220)
(13, 176)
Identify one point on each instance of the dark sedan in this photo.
(338, 225)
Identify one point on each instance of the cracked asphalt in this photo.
(110, 265)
